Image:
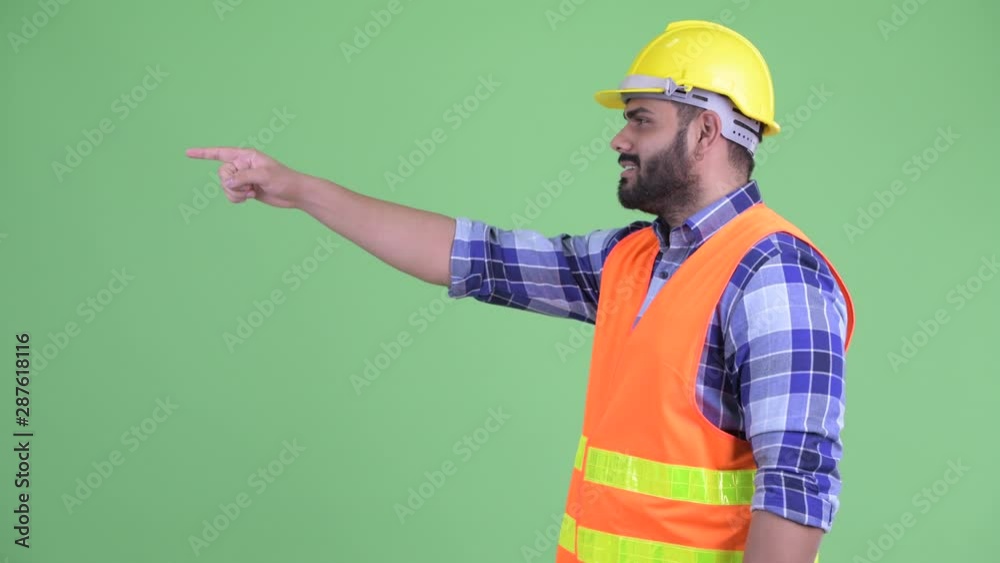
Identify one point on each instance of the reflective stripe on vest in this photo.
(676, 482)
(600, 547)
(578, 462)
(567, 534)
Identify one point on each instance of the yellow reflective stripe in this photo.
(599, 547)
(677, 482)
(567, 534)
(582, 447)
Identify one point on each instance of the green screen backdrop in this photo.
(216, 382)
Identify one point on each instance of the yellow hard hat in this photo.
(700, 55)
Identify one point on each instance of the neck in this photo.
(707, 193)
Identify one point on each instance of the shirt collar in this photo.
(704, 223)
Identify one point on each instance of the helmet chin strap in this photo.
(736, 127)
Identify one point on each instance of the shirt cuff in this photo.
(461, 260)
(795, 497)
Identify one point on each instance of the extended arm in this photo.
(414, 241)
(522, 269)
(517, 268)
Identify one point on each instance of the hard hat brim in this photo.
(612, 99)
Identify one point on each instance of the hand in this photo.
(250, 174)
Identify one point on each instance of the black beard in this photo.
(665, 185)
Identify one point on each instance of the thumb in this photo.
(242, 179)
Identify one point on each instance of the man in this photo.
(716, 394)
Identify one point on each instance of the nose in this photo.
(620, 142)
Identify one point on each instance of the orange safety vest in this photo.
(653, 480)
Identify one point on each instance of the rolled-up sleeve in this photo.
(786, 344)
(523, 269)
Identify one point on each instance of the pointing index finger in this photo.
(225, 154)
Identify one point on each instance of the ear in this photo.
(708, 130)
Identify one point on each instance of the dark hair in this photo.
(739, 157)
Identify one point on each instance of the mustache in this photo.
(633, 158)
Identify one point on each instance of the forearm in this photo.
(772, 539)
(411, 240)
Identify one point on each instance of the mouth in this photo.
(629, 170)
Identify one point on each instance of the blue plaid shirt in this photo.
(772, 371)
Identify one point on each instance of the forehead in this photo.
(648, 106)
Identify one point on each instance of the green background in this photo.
(127, 206)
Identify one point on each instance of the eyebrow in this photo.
(634, 112)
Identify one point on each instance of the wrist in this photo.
(307, 192)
